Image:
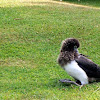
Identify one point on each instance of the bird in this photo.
(77, 65)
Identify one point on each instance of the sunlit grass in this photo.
(15, 3)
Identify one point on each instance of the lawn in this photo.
(30, 37)
(95, 3)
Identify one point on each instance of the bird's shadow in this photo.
(55, 83)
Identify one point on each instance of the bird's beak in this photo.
(75, 49)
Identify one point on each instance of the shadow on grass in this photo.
(55, 83)
(95, 3)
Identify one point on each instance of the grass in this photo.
(95, 3)
(30, 36)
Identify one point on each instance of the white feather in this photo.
(76, 72)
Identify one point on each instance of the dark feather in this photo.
(84, 55)
(91, 69)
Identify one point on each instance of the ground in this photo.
(31, 32)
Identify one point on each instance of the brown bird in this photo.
(82, 69)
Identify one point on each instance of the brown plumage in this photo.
(67, 52)
(65, 57)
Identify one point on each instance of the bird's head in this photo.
(70, 45)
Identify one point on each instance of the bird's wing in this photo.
(91, 69)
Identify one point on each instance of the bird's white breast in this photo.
(76, 72)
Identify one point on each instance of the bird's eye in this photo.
(75, 47)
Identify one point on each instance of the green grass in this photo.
(95, 3)
(30, 38)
